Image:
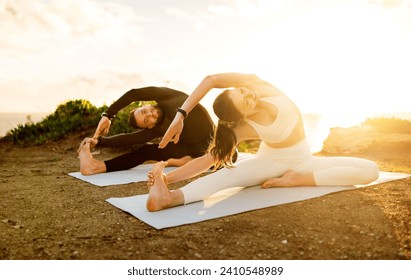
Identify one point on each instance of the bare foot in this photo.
(290, 179)
(89, 165)
(81, 146)
(93, 142)
(160, 197)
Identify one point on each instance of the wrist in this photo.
(182, 112)
(107, 115)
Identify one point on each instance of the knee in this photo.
(371, 172)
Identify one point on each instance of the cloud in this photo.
(198, 21)
(178, 13)
(33, 25)
(226, 11)
(104, 89)
(251, 9)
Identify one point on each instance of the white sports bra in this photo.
(287, 117)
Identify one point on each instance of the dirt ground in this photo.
(46, 214)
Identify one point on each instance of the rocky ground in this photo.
(46, 214)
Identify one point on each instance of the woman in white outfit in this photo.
(251, 108)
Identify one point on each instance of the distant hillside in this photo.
(373, 134)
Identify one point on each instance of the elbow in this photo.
(372, 173)
(254, 77)
(211, 80)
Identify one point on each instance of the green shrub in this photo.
(389, 125)
(72, 116)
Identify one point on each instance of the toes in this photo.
(160, 165)
(87, 144)
(276, 182)
(266, 185)
(81, 146)
(158, 168)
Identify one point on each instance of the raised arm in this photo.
(224, 80)
(139, 94)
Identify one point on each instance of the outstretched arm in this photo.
(224, 80)
(188, 170)
(128, 139)
(191, 169)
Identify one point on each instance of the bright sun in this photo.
(346, 63)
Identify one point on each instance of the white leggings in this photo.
(269, 163)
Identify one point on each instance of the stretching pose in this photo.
(251, 109)
(152, 122)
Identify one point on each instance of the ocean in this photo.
(317, 126)
(9, 121)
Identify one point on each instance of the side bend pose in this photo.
(251, 109)
(152, 122)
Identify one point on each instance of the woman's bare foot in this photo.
(89, 165)
(290, 179)
(160, 197)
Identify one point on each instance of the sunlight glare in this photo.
(339, 61)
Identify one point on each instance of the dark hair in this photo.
(132, 119)
(224, 140)
(133, 122)
(160, 114)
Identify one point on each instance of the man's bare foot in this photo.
(89, 165)
(92, 141)
(290, 179)
(179, 161)
(160, 197)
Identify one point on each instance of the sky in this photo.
(340, 57)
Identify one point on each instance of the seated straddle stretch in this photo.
(274, 162)
(283, 159)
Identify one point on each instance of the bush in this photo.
(73, 116)
(69, 117)
(389, 125)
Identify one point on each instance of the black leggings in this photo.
(152, 152)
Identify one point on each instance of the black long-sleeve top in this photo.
(198, 125)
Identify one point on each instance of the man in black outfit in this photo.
(152, 121)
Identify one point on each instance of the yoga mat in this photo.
(136, 174)
(230, 201)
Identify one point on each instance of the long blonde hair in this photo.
(224, 140)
